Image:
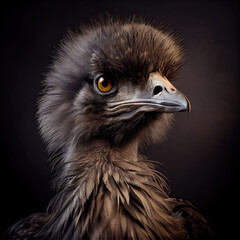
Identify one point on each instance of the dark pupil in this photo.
(104, 82)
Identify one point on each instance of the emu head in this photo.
(112, 82)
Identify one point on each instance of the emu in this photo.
(108, 91)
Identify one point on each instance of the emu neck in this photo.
(78, 161)
(100, 150)
(110, 193)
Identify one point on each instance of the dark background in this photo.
(201, 153)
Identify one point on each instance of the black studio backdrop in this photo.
(201, 152)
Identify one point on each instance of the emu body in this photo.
(107, 92)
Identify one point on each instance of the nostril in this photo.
(173, 89)
(157, 90)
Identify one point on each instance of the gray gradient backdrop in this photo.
(201, 153)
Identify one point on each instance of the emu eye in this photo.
(104, 84)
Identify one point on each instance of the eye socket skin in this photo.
(104, 85)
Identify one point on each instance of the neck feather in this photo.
(111, 193)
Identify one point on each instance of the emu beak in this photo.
(166, 97)
(159, 96)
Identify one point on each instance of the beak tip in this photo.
(189, 108)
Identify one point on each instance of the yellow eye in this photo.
(104, 84)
